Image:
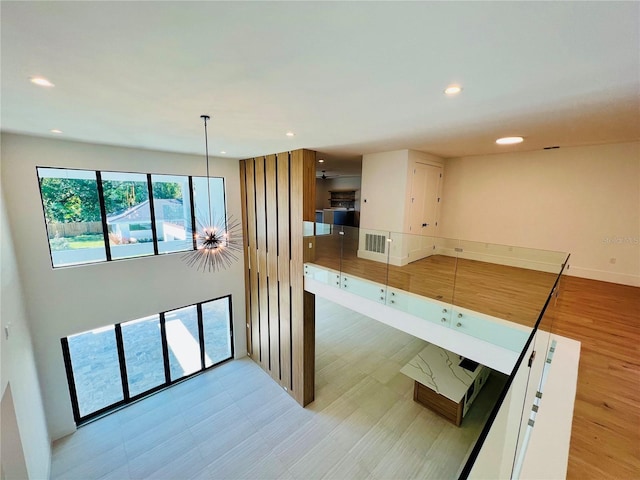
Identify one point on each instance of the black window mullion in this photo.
(70, 379)
(201, 334)
(152, 213)
(165, 350)
(230, 323)
(123, 362)
(194, 227)
(103, 215)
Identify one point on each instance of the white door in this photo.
(425, 185)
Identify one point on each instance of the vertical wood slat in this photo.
(297, 288)
(251, 244)
(263, 292)
(309, 334)
(309, 182)
(303, 352)
(309, 302)
(283, 269)
(272, 264)
(245, 251)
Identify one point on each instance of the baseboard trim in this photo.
(604, 276)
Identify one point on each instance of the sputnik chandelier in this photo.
(217, 242)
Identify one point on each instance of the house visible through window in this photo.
(94, 216)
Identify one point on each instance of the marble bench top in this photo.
(439, 370)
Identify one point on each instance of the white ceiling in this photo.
(347, 78)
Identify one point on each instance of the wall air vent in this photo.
(375, 243)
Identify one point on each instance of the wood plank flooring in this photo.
(605, 436)
(510, 293)
(235, 422)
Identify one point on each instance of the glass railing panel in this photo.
(494, 454)
(540, 364)
(365, 253)
(326, 245)
(501, 448)
(422, 265)
(510, 283)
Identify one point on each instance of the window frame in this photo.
(128, 399)
(190, 246)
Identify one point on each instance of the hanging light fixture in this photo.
(218, 242)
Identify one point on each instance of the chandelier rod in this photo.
(206, 148)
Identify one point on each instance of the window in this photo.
(111, 366)
(142, 345)
(94, 360)
(71, 206)
(172, 213)
(183, 339)
(216, 324)
(126, 202)
(94, 216)
(201, 196)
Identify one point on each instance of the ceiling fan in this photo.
(324, 175)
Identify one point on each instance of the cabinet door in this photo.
(363, 288)
(495, 331)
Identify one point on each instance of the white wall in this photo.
(582, 200)
(64, 301)
(25, 439)
(384, 187)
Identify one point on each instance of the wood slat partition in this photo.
(279, 194)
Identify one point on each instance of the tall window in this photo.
(72, 214)
(111, 366)
(94, 216)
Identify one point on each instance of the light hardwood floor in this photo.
(605, 317)
(235, 422)
(511, 293)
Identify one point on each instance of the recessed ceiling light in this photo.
(509, 140)
(41, 81)
(453, 89)
(321, 160)
(222, 152)
(289, 134)
(55, 130)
